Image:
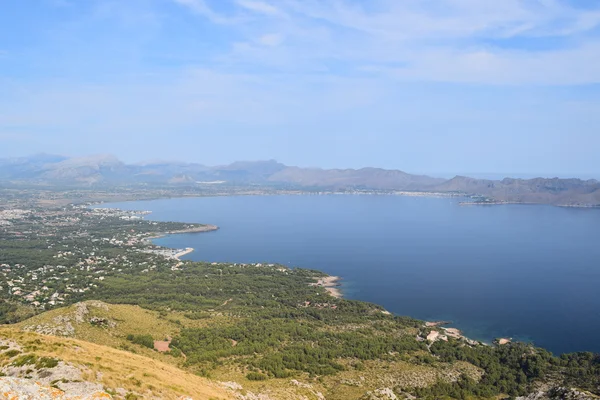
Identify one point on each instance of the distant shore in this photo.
(523, 203)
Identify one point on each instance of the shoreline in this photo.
(187, 251)
(199, 229)
(401, 193)
(440, 332)
(331, 285)
(522, 203)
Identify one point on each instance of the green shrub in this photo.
(26, 359)
(142, 340)
(175, 352)
(197, 315)
(46, 362)
(256, 376)
(11, 353)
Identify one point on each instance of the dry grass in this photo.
(115, 368)
(128, 319)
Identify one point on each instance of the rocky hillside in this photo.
(560, 393)
(35, 366)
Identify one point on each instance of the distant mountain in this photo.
(575, 192)
(368, 178)
(248, 171)
(107, 170)
(26, 167)
(87, 170)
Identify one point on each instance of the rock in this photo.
(380, 394)
(560, 393)
(231, 385)
(252, 396)
(103, 322)
(27, 389)
(81, 311)
(300, 384)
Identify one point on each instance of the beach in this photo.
(331, 284)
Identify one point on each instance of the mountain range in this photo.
(107, 170)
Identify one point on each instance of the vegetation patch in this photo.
(46, 362)
(142, 340)
(25, 359)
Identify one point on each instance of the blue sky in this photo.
(444, 86)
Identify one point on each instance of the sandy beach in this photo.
(331, 284)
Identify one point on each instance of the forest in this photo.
(273, 334)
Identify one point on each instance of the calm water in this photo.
(527, 272)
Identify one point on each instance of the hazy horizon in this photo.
(438, 174)
(509, 86)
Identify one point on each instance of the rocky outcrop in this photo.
(560, 393)
(65, 325)
(28, 389)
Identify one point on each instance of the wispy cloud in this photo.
(260, 7)
(358, 78)
(202, 8)
(449, 40)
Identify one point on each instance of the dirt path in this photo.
(226, 302)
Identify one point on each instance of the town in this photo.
(51, 257)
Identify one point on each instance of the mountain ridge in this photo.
(107, 170)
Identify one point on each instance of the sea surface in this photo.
(531, 273)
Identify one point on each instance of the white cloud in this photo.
(260, 7)
(201, 7)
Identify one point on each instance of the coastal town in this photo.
(50, 257)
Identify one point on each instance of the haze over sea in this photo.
(527, 272)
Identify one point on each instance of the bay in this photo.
(530, 273)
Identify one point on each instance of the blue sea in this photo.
(531, 273)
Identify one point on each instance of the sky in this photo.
(426, 86)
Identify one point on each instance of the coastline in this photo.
(522, 203)
(331, 285)
(374, 192)
(203, 228)
(439, 332)
(187, 251)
